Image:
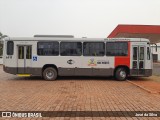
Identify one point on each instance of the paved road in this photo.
(74, 94)
(156, 69)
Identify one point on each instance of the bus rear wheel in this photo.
(50, 74)
(121, 74)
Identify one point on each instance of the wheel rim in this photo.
(123, 74)
(49, 74)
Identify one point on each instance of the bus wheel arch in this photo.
(49, 72)
(121, 72)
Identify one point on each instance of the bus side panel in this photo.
(10, 61)
(69, 65)
(123, 60)
(99, 66)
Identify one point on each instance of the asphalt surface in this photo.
(156, 69)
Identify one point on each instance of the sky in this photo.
(81, 18)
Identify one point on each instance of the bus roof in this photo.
(74, 39)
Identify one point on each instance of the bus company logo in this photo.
(92, 62)
(70, 62)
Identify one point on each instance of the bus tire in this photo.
(50, 74)
(121, 74)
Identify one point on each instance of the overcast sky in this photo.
(81, 18)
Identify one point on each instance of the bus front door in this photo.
(24, 59)
(138, 60)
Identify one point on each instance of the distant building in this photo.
(156, 52)
(151, 32)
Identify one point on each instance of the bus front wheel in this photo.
(50, 73)
(121, 74)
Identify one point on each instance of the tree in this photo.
(2, 36)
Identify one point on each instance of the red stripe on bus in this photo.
(123, 60)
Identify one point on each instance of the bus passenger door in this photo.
(24, 59)
(138, 60)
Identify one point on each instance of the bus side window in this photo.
(71, 48)
(93, 48)
(116, 48)
(148, 53)
(48, 48)
(10, 47)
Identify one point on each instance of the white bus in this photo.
(50, 57)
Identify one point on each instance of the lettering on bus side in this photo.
(9, 57)
(102, 62)
(93, 62)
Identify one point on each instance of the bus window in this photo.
(135, 53)
(48, 48)
(141, 53)
(135, 57)
(148, 53)
(116, 48)
(28, 52)
(71, 48)
(21, 52)
(93, 49)
(10, 47)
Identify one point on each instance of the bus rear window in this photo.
(10, 47)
